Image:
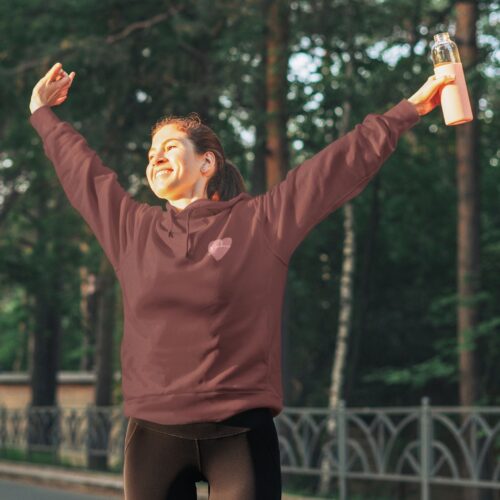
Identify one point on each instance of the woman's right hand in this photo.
(427, 97)
(52, 89)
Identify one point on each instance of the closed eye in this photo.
(168, 148)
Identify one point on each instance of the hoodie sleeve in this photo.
(334, 175)
(91, 187)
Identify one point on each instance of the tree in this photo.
(277, 160)
(468, 223)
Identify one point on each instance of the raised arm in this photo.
(337, 173)
(91, 187)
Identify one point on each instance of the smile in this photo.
(163, 172)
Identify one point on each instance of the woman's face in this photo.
(174, 168)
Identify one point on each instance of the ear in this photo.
(210, 158)
(210, 162)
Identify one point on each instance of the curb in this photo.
(100, 483)
(94, 482)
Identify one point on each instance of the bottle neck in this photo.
(442, 37)
(444, 50)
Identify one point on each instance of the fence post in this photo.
(3, 426)
(342, 449)
(425, 449)
(88, 437)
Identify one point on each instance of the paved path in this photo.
(14, 490)
(26, 481)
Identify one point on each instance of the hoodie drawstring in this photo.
(206, 210)
(187, 235)
(171, 234)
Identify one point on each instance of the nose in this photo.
(158, 158)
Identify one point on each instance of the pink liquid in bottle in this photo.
(455, 101)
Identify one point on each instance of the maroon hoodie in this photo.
(203, 287)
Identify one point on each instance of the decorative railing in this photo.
(454, 446)
(72, 434)
(424, 445)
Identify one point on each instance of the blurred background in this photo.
(417, 253)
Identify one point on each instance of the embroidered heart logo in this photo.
(219, 248)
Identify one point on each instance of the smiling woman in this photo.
(187, 162)
(203, 288)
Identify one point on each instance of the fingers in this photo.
(68, 79)
(447, 78)
(53, 72)
(65, 81)
(441, 79)
(62, 74)
(434, 84)
(57, 74)
(53, 88)
(60, 83)
(71, 77)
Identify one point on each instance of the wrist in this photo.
(417, 106)
(34, 105)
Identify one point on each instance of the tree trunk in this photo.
(41, 423)
(277, 158)
(468, 223)
(104, 364)
(22, 351)
(346, 285)
(46, 350)
(276, 84)
(258, 176)
(345, 310)
(346, 304)
(358, 330)
(468, 215)
(88, 313)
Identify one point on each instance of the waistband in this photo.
(252, 417)
(235, 424)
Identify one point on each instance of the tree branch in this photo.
(142, 25)
(109, 40)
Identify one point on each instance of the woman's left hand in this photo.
(427, 97)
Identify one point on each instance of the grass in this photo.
(47, 458)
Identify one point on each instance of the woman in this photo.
(202, 280)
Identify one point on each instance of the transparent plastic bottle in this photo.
(455, 101)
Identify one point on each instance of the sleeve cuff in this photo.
(406, 112)
(44, 120)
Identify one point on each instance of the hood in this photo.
(192, 217)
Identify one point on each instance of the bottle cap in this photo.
(441, 37)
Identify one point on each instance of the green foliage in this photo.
(206, 57)
(416, 376)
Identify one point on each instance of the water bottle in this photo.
(454, 97)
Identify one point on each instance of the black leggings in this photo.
(161, 466)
